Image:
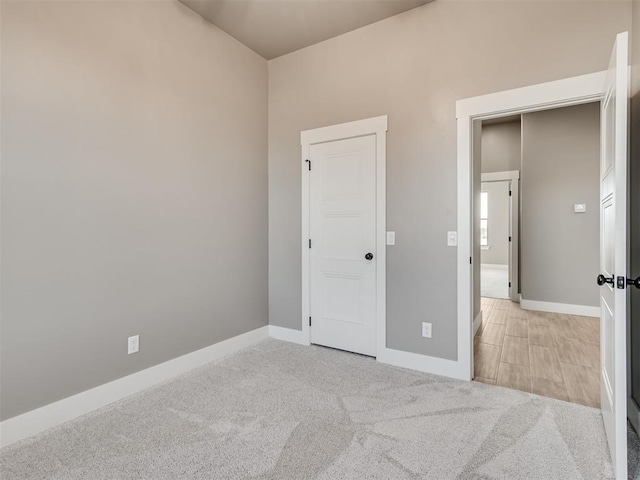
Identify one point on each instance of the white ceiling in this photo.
(275, 27)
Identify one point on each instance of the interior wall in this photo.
(502, 152)
(560, 168)
(634, 191)
(413, 67)
(501, 147)
(134, 192)
(498, 223)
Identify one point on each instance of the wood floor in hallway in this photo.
(549, 354)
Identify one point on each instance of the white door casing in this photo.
(613, 254)
(343, 240)
(559, 93)
(312, 141)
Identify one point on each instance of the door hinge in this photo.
(509, 192)
(509, 238)
(309, 243)
(470, 262)
(308, 163)
(509, 284)
(309, 321)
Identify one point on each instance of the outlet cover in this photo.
(133, 344)
(426, 329)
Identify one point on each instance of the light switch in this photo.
(391, 238)
(580, 208)
(452, 239)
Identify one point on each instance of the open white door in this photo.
(613, 255)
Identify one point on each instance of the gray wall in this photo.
(134, 192)
(635, 200)
(502, 152)
(561, 167)
(501, 147)
(498, 224)
(413, 67)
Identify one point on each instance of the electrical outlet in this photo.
(133, 344)
(580, 208)
(426, 330)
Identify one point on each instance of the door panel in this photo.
(343, 231)
(613, 255)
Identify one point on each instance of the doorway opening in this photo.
(495, 229)
(611, 88)
(541, 218)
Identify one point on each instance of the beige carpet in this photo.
(494, 281)
(281, 411)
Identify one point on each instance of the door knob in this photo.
(602, 280)
(369, 256)
(635, 282)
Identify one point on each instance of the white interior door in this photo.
(613, 255)
(343, 239)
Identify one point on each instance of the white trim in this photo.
(371, 126)
(551, 307)
(571, 91)
(422, 363)
(43, 418)
(633, 414)
(543, 96)
(477, 322)
(357, 128)
(500, 176)
(288, 335)
(495, 265)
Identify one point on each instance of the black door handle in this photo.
(635, 282)
(602, 280)
(369, 256)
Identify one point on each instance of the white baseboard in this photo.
(477, 322)
(288, 335)
(43, 418)
(633, 414)
(423, 363)
(582, 310)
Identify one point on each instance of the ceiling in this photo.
(275, 27)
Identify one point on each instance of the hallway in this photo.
(549, 354)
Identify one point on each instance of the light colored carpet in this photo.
(282, 411)
(494, 281)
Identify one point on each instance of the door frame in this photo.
(513, 177)
(371, 126)
(544, 96)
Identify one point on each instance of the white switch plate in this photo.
(133, 344)
(426, 329)
(452, 239)
(391, 238)
(580, 208)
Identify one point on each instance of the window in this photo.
(484, 219)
